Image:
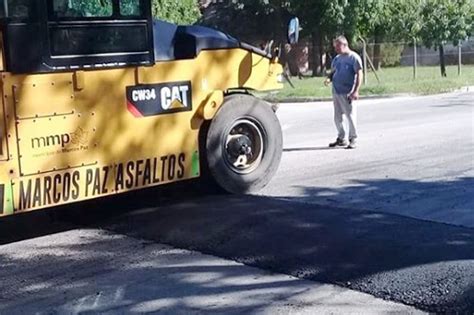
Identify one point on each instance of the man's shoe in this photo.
(352, 145)
(338, 143)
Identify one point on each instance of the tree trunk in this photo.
(322, 65)
(315, 54)
(442, 62)
(377, 58)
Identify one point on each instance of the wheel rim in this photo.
(244, 146)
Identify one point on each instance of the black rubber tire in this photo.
(236, 107)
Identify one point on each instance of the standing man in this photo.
(346, 77)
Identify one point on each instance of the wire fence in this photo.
(377, 56)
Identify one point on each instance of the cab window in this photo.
(16, 9)
(132, 8)
(82, 8)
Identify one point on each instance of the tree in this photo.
(406, 21)
(176, 11)
(446, 21)
(373, 18)
(388, 20)
(321, 20)
(253, 21)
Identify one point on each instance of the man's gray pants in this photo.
(343, 106)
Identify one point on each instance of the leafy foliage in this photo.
(84, 7)
(446, 21)
(242, 18)
(176, 11)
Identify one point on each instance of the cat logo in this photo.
(169, 96)
(159, 99)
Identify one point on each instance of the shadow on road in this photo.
(426, 264)
(90, 274)
(326, 148)
(455, 101)
(441, 201)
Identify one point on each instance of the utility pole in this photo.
(364, 56)
(415, 59)
(459, 58)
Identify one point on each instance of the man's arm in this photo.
(329, 77)
(354, 95)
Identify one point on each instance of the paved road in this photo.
(415, 158)
(92, 271)
(393, 218)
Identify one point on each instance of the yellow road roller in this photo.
(98, 98)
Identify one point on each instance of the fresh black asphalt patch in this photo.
(420, 263)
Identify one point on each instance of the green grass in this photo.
(392, 81)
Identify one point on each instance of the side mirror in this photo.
(294, 31)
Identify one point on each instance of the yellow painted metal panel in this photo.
(2, 53)
(73, 136)
(3, 128)
(55, 143)
(57, 96)
(73, 185)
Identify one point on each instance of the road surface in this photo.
(386, 228)
(415, 158)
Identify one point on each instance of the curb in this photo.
(270, 99)
(465, 89)
(329, 99)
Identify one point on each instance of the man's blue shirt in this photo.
(346, 67)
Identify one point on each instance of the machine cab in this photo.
(62, 35)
